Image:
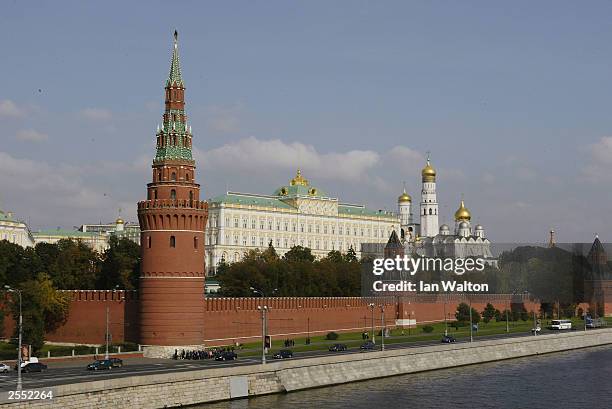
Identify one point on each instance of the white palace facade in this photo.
(295, 215)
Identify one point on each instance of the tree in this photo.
(298, 254)
(75, 266)
(489, 313)
(334, 256)
(120, 265)
(463, 314)
(351, 255)
(44, 309)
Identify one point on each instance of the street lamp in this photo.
(471, 325)
(15, 290)
(371, 305)
(382, 326)
(263, 310)
(260, 292)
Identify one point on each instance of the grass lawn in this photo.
(354, 339)
(9, 351)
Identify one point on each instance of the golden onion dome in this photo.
(463, 214)
(119, 221)
(405, 197)
(428, 173)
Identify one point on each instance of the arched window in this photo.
(173, 194)
(173, 176)
(155, 194)
(187, 176)
(148, 241)
(430, 212)
(190, 195)
(172, 241)
(424, 211)
(159, 176)
(195, 242)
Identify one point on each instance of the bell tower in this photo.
(172, 222)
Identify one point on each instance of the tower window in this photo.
(187, 176)
(195, 242)
(173, 176)
(172, 241)
(190, 195)
(430, 212)
(173, 194)
(148, 241)
(155, 194)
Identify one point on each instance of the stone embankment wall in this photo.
(188, 388)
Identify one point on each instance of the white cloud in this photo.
(31, 135)
(599, 167)
(255, 155)
(96, 114)
(10, 110)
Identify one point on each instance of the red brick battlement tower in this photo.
(172, 222)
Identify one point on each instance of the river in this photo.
(574, 379)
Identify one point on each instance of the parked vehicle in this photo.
(4, 368)
(283, 354)
(34, 367)
(226, 356)
(116, 362)
(595, 323)
(560, 324)
(367, 345)
(338, 348)
(100, 364)
(447, 339)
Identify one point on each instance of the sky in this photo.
(512, 100)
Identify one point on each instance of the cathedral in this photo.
(424, 236)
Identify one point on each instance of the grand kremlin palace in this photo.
(297, 214)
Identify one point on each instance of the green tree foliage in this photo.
(294, 275)
(489, 313)
(463, 314)
(75, 267)
(44, 309)
(120, 265)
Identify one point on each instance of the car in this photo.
(338, 348)
(100, 364)
(448, 339)
(536, 330)
(116, 362)
(367, 345)
(34, 367)
(4, 368)
(226, 356)
(283, 354)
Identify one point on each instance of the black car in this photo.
(447, 339)
(34, 367)
(283, 354)
(338, 348)
(100, 364)
(116, 362)
(367, 345)
(226, 356)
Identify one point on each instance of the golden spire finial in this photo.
(299, 179)
(463, 214)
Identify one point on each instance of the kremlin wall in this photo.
(230, 320)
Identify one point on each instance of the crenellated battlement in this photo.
(103, 295)
(173, 203)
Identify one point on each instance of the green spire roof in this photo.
(175, 65)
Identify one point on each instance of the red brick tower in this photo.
(172, 222)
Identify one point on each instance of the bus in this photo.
(561, 324)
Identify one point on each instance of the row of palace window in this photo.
(284, 242)
(431, 212)
(172, 194)
(303, 228)
(173, 242)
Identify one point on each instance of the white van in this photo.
(561, 324)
